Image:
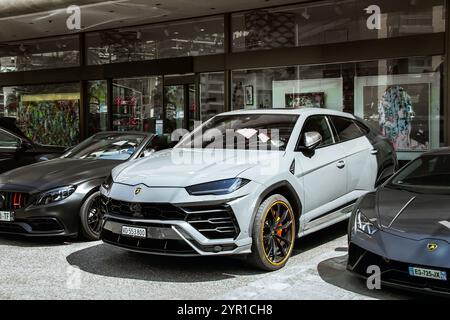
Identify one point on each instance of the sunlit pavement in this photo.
(49, 269)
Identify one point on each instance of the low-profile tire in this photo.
(91, 217)
(273, 234)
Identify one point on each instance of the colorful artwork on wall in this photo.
(401, 112)
(305, 100)
(50, 122)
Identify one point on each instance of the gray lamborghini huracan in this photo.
(404, 227)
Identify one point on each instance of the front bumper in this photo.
(394, 256)
(175, 238)
(177, 223)
(59, 219)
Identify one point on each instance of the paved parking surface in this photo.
(48, 269)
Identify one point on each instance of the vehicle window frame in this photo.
(140, 153)
(134, 155)
(283, 148)
(7, 133)
(299, 139)
(354, 121)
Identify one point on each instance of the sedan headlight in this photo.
(54, 195)
(220, 187)
(107, 184)
(364, 224)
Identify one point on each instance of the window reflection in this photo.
(98, 106)
(401, 97)
(39, 54)
(137, 104)
(333, 21)
(175, 39)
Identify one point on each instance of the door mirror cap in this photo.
(311, 140)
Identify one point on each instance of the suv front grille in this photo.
(150, 211)
(214, 222)
(13, 200)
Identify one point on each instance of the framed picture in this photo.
(249, 99)
(404, 107)
(305, 100)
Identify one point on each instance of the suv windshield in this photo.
(427, 174)
(107, 147)
(244, 131)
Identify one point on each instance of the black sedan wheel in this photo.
(91, 217)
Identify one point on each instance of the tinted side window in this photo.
(8, 141)
(364, 129)
(320, 125)
(346, 129)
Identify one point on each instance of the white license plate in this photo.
(6, 216)
(428, 273)
(134, 232)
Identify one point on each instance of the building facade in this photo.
(384, 61)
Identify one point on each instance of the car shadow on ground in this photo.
(333, 271)
(319, 238)
(36, 242)
(109, 261)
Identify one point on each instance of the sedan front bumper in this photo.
(58, 219)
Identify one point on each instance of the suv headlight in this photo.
(364, 224)
(54, 195)
(219, 187)
(107, 184)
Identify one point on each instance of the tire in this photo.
(88, 230)
(266, 234)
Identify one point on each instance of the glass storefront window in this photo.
(175, 39)
(137, 104)
(174, 106)
(39, 54)
(98, 106)
(402, 97)
(212, 94)
(47, 114)
(325, 22)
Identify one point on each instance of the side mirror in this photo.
(311, 140)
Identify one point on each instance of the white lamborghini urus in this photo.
(246, 182)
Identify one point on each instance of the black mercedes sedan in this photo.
(60, 197)
(16, 150)
(404, 227)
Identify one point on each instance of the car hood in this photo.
(414, 216)
(55, 173)
(185, 167)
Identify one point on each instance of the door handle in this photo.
(340, 164)
(374, 151)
